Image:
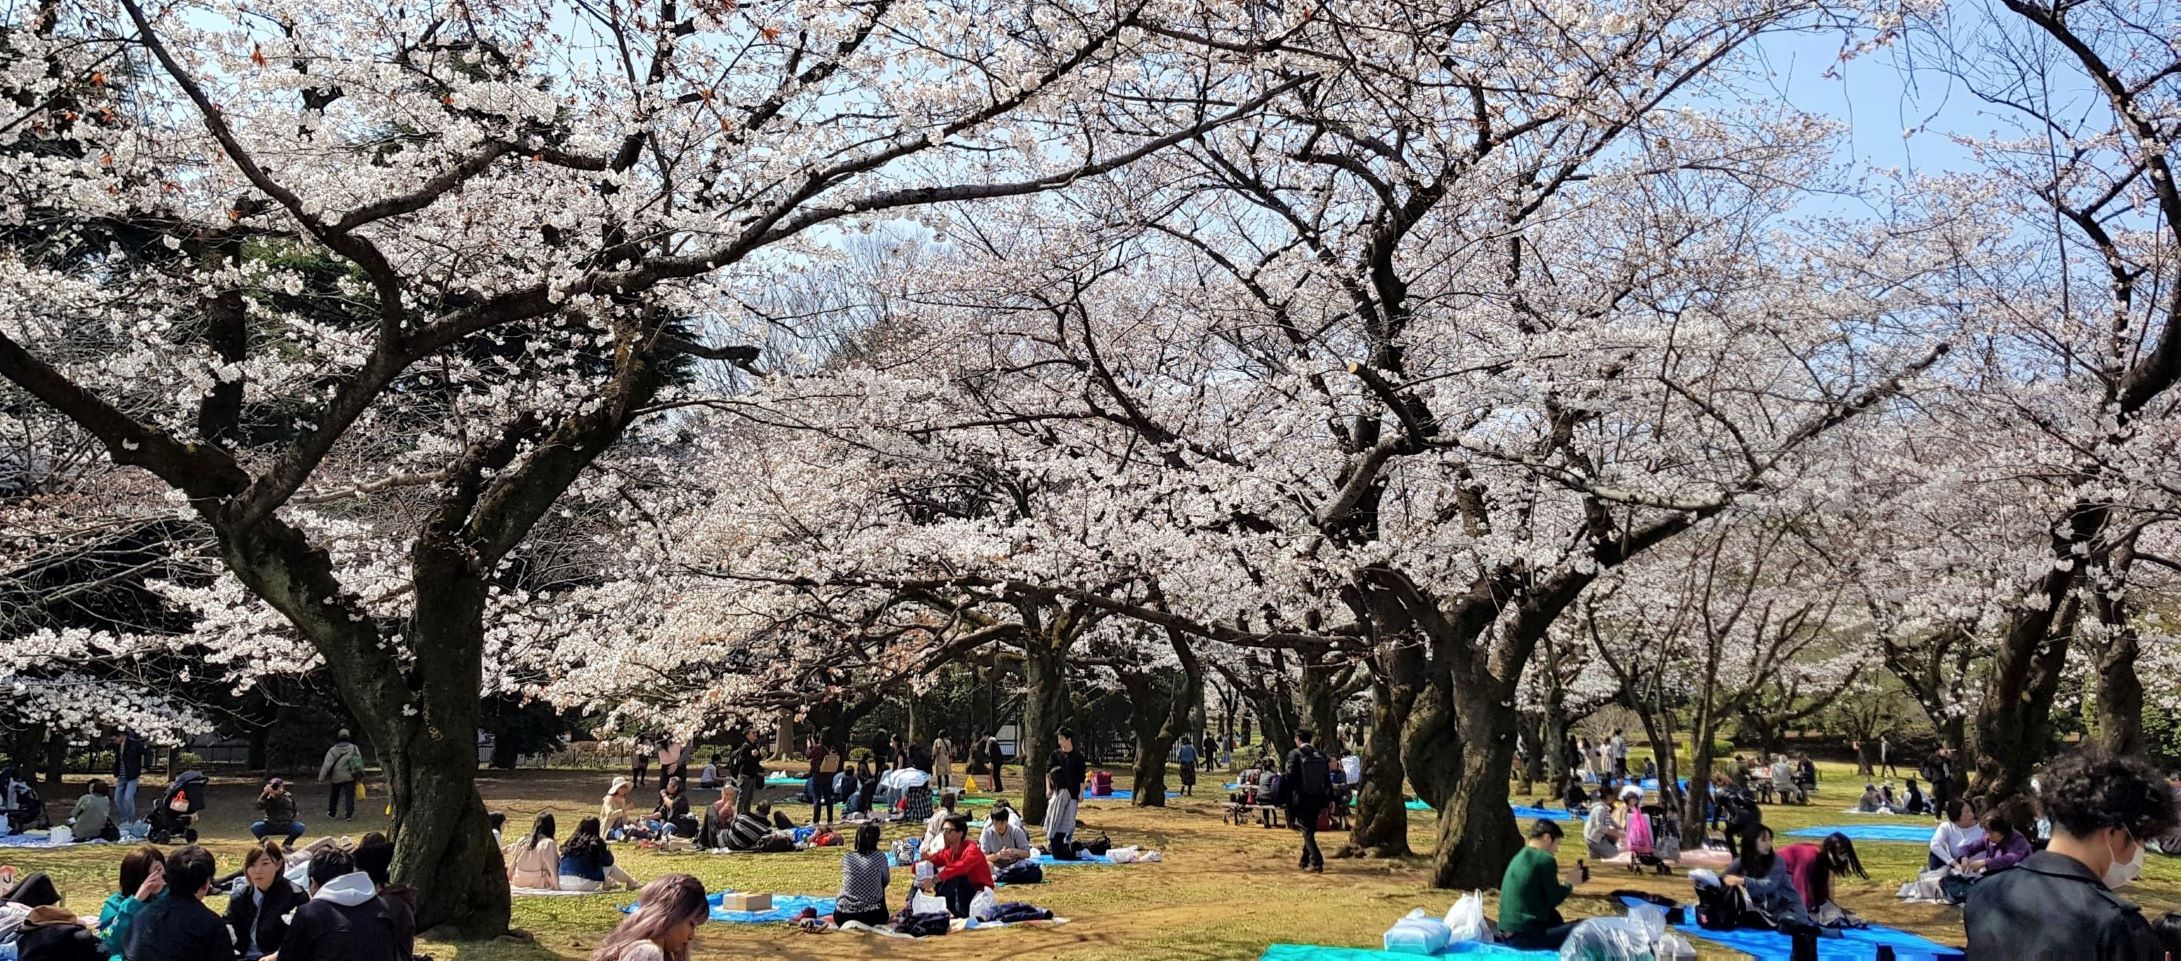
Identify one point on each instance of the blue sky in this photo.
(1879, 96)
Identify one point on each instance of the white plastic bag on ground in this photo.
(1651, 918)
(921, 903)
(1607, 939)
(984, 905)
(1465, 920)
(1418, 933)
(61, 834)
(1674, 947)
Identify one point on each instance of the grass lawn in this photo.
(1223, 892)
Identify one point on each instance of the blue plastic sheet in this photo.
(785, 907)
(1854, 944)
(783, 780)
(1121, 794)
(1919, 833)
(1095, 860)
(39, 839)
(1469, 949)
(1526, 813)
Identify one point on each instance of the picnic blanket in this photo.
(1854, 944)
(40, 839)
(1524, 811)
(784, 908)
(1715, 860)
(1472, 949)
(784, 780)
(960, 926)
(1903, 833)
(1096, 860)
(1121, 794)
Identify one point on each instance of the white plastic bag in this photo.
(1418, 933)
(921, 903)
(1607, 939)
(1673, 947)
(1651, 918)
(61, 834)
(1465, 920)
(984, 905)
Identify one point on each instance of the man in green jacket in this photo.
(1531, 892)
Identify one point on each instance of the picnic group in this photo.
(335, 901)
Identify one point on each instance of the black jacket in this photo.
(60, 941)
(174, 927)
(2051, 908)
(131, 759)
(1300, 795)
(1071, 767)
(271, 921)
(748, 760)
(327, 931)
(279, 808)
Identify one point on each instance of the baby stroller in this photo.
(20, 801)
(175, 816)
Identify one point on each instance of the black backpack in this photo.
(1317, 774)
(1021, 872)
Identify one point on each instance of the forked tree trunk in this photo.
(1431, 743)
(2014, 728)
(1381, 822)
(1044, 711)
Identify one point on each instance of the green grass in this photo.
(1224, 892)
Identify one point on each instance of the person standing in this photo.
(672, 763)
(176, 925)
(1939, 770)
(1308, 784)
(942, 762)
(342, 768)
(131, 757)
(1618, 748)
(1885, 758)
(1185, 757)
(748, 764)
(825, 769)
(2062, 902)
(1531, 891)
(993, 760)
(1069, 762)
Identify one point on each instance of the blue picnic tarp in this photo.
(1467, 949)
(1121, 794)
(1528, 813)
(785, 907)
(1854, 944)
(1902, 833)
(1096, 860)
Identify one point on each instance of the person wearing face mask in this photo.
(2061, 902)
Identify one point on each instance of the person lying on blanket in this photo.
(1532, 889)
(754, 832)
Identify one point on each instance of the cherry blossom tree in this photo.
(453, 256)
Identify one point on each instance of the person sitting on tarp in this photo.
(961, 869)
(2000, 848)
(1767, 890)
(1004, 842)
(1531, 891)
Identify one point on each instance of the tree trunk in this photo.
(1477, 832)
(1381, 822)
(56, 759)
(784, 744)
(1531, 768)
(1321, 702)
(442, 841)
(1555, 750)
(1044, 712)
(261, 748)
(2014, 730)
(1431, 743)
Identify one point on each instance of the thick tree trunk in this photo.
(1044, 712)
(1381, 822)
(2014, 729)
(1477, 832)
(442, 841)
(1531, 769)
(1431, 743)
(261, 748)
(1555, 750)
(1321, 702)
(2119, 691)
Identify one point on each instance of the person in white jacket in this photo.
(1957, 832)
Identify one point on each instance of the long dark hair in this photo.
(541, 829)
(1755, 863)
(867, 838)
(1840, 857)
(585, 843)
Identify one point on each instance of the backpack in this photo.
(1021, 872)
(1317, 775)
(353, 764)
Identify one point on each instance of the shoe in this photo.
(1317, 869)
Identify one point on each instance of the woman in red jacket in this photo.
(1812, 867)
(962, 869)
